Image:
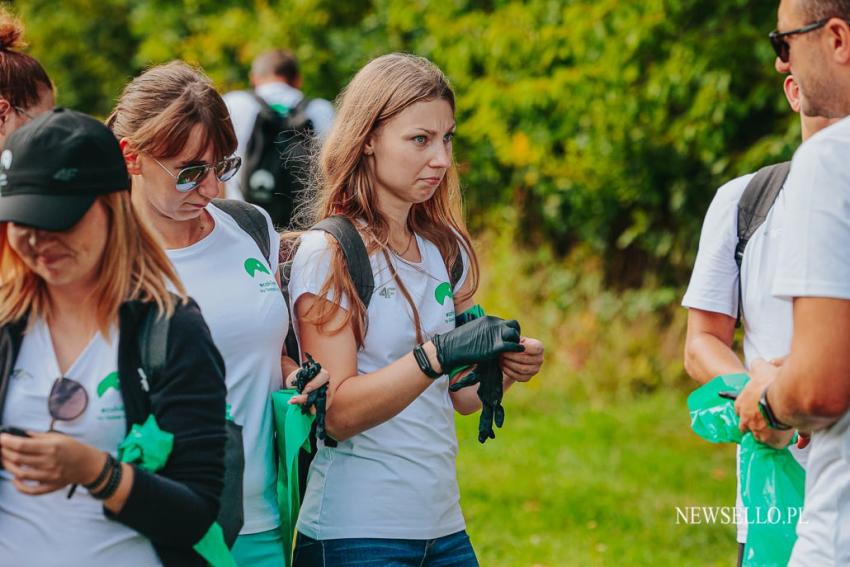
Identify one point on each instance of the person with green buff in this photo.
(103, 463)
(384, 323)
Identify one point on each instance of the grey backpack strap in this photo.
(356, 255)
(755, 204)
(251, 221)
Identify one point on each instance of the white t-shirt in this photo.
(396, 480)
(244, 109)
(815, 262)
(235, 288)
(767, 319)
(51, 529)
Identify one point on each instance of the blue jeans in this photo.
(453, 550)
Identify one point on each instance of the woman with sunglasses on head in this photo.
(82, 277)
(388, 492)
(25, 88)
(178, 142)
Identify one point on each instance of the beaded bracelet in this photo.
(112, 484)
(104, 472)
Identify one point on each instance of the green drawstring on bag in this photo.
(772, 481)
(148, 447)
(292, 433)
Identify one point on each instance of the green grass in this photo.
(566, 484)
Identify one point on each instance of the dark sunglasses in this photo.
(190, 177)
(782, 48)
(67, 401)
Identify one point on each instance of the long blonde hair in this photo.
(380, 91)
(134, 267)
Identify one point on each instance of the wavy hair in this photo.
(380, 91)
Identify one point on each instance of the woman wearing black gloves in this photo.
(387, 492)
(80, 277)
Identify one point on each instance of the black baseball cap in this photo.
(53, 168)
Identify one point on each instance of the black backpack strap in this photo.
(456, 271)
(354, 250)
(153, 345)
(755, 204)
(251, 221)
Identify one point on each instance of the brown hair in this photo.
(820, 9)
(276, 62)
(22, 78)
(134, 262)
(380, 91)
(158, 110)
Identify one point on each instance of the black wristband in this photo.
(424, 363)
(104, 472)
(768, 414)
(113, 482)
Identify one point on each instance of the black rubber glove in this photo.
(488, 375)
(476, 341)
(318, 398)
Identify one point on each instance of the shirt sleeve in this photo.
(714, 280)
(274, 241)
(321, 114)
(814, 258)
(311, 268)
(464, 256)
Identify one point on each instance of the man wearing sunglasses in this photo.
(810, 389)
(714, 298)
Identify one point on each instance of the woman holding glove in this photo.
(388, 490)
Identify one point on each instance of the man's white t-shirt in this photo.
(225, 272)
(815, 262)
(396, 480)
(51, 529)
(244, 109)
(714, 283)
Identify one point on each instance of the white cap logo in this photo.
(6, 159)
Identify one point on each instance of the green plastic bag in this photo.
(772, 481)
(149, 447)
(292, 432)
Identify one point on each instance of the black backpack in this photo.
(277, 159)
(755, 204)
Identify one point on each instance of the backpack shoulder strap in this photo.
(250, 220)
(153, 344)
(456, 271)
(757, 200)
(354, 250)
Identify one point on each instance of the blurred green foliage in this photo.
(607, 124)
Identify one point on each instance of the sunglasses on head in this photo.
(781, 46)
(189, 178)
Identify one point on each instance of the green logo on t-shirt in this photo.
(111, 381)
(443, 292)
(252, 266)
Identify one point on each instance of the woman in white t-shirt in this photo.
(82, 275)
(178, 142)
(388, 491)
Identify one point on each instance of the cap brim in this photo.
(46, 212)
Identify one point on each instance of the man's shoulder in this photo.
(730, 193)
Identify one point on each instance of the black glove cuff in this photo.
(424, 363)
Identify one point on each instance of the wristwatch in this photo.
(767, 413)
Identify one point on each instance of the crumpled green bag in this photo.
(772, 481)
(149, 447)
(292, 432)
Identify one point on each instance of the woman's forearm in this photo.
(367, 400)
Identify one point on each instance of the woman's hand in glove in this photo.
(478, 340)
